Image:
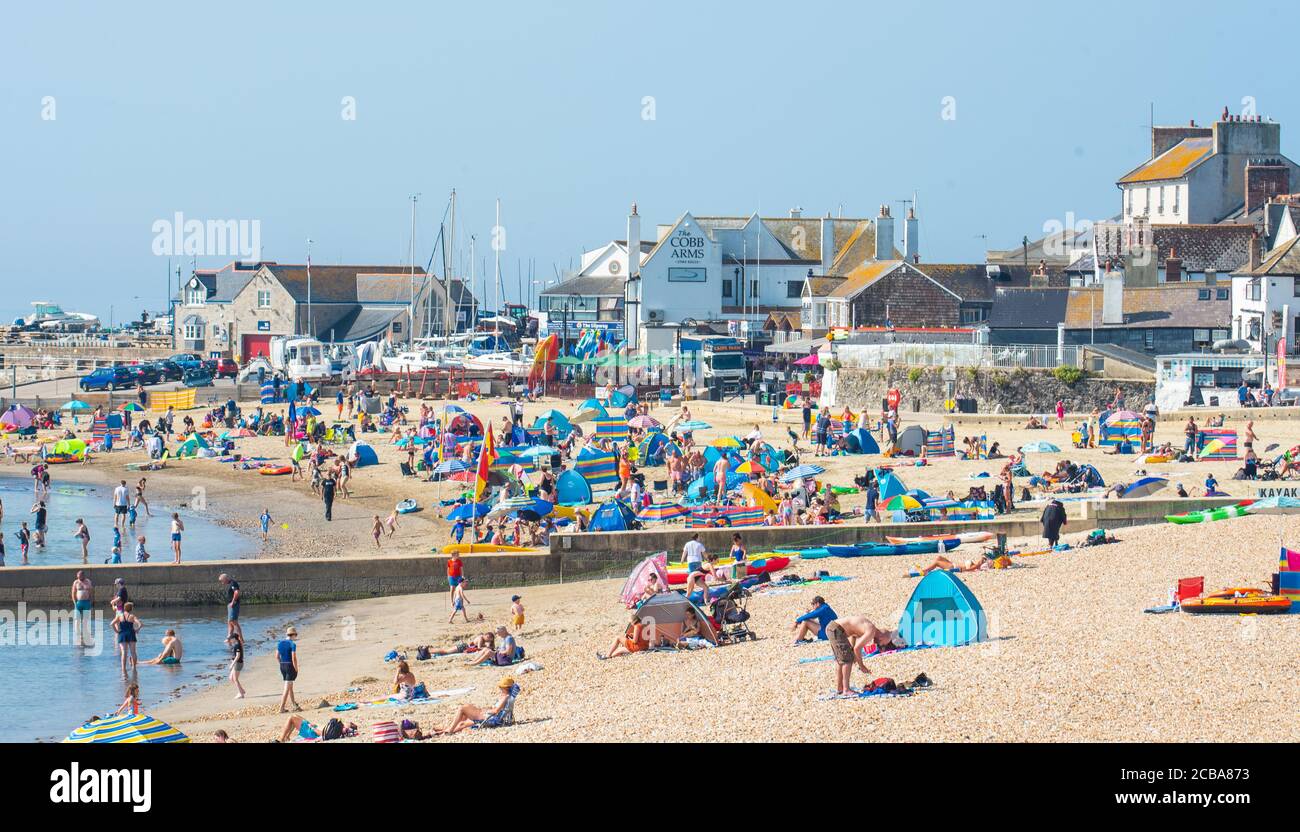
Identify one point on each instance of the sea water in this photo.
(51, 685)
(204, 539)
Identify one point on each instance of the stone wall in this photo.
(1013, 391)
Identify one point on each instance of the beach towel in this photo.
(874, 654)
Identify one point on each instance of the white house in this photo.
(1268, 293)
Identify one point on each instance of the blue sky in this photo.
(234, 112)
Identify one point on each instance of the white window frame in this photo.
(193, 332)
(263, 298)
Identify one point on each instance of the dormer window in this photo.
(195, 294)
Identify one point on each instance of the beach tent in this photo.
(192, 446)
(600, 469)
(619, 399)
(1091, 477)
(68, 447)
(890, 485)
(613, 516)
(557, 418)
(594, 404)
(942, 612)
(18, 416)
(654, 445)
(364, 455)
(572, 489)
(861, 441)
(704, 488)
(911, 440)
(465, 424)
(666, 613)
(640, 577)
(941, 443)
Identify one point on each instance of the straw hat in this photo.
(507, 683)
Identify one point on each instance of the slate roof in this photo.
(1028, 308)
(1283, 260)
(335, 284)
(863, 276)
(1151, 307)
(1223, 248)
(1174, 163)
(971, 283)
(588, 286)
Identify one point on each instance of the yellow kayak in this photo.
(481, 549)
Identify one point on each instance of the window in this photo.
(726, 289)
(1203, 294)
(264, 299)
(1295, 288)
(195, 295)
(1161, 208)
(1221, 294)
(753, 289)
(193, 332)
(1220, 335)
(794, 289)
(1149, 340)
(972, 316)
(1201, 336)
(1254, 291)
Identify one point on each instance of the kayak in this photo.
(407, 507)
(1210, 515)
(275, 472)
(964, 537)
(1243, 600)
(754, 566)
(862, 550)
(481, 549)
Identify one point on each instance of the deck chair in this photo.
(406, 469)
(1189, 588)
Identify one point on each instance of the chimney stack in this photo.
(1173, 267)
(796, 213)
(1253, 262)
(884, 235)
(1265, 178)
(633, 243)
(828, 243)
(911, 237)
(1112, 297)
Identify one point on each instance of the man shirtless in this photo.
(849, 636)
(83, 602)
(172, 651)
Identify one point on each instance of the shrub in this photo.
(1069, 375)
(915, 374)
(834, 365)
(1000, 379)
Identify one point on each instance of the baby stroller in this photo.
(730, 616)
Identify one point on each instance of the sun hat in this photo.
(507, 683)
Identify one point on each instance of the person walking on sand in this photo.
(127, 627)
(83, 534)
(377, 531)
(287, 651)
(391, 523)
(236, 642)
(459, 600)
(83, 604)
(327, 486)
(178, 526)
(231, 588)
(1060, 414)
(265, 520)
(121, 503)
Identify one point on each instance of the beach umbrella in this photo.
(727, 442)
(1212, 447)
(694, 425)
(75, 404)
(643, 422)
(133, 407)
(308, 411)
(902, 502)
(468, 511)
(1274, 505)
(809, 360)
(802, 472)
(1040, 448)
(751, 467)
(587, 414)
(451, 466)
(1123, 416)
(127, 728)
(536, 451)
(662, 512)
(1145, 487)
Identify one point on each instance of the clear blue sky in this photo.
(232, 111)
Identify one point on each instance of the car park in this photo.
(107, 378)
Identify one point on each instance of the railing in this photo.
(1028, 356)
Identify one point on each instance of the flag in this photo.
(486, 456)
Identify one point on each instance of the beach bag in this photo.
(422, 654)
(386, 732)
(883, 683)
(333, 730)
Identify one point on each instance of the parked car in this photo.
(186, 360)
(1287, 397)
(145, 373)
(169, 370)
(227, 368)
(108, 378)
(197, 378)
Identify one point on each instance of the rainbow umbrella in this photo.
(902, 502)
(127, 728)
(727, 442)
(132, 406)
(1123, 416)
(662, 512)
(751, 467)
(1212, 447)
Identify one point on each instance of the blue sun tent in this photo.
(652, 450)
(365, 455)
(594, 404)
(942, 612)
(704, 488)
(862, 442)
(572, 489)
(613, 516)
(889, 485)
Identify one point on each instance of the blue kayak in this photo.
(920, 547)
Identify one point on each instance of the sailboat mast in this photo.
(410, 318)
(496, 290)
(449, 254)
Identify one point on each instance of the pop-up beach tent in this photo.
(890, 485)
(942, 612)
(613, 516)
(912, 440)
(571, 489)
(862, 442)
(192, 446)
(364, 455)
(667, 612)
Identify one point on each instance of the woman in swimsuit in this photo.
(139, 497)
(127, 627)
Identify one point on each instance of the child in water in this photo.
(265, 520)
(141, 556)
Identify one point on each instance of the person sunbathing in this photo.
(975, 564)
(307, 731)
(470, 716)
(172, 651)
(635, 639)
(404, 683)
(502, 654)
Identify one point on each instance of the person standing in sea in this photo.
(121, 503)
(83, 604)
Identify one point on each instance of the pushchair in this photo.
(730, 617)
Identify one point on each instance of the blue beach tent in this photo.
(942, 612)
(572, 489)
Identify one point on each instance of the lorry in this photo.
(719, 360)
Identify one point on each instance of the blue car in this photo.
(108, 378)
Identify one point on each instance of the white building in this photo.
(1268, 293)
(712, 268)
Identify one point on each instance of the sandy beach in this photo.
(1072, 656)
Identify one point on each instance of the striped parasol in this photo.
(452, 466)
(692, 426)
(902, 502)
(643, 422)
(751, 467)
(127, 728)
(662, 512)
(802, 472)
